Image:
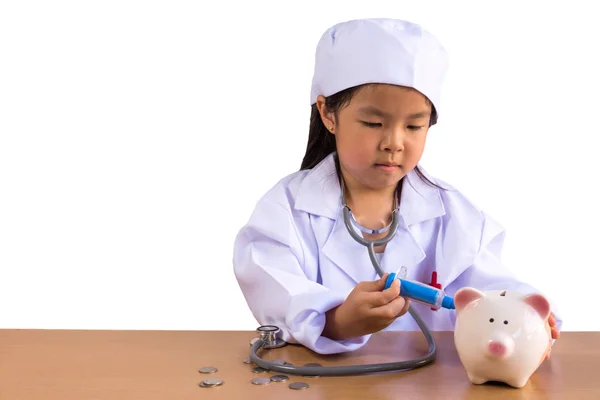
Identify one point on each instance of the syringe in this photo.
(421, 293)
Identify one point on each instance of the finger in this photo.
(391, 310)
(552, 320)
(373, 286)
(392, 292)
(406, 306)
(379, 299)
(554, 332)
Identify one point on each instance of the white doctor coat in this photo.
(294, 259)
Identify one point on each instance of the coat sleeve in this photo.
(269, 264)
(488, 273)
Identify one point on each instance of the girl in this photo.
(375, 94)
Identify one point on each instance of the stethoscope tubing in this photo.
(363, 368)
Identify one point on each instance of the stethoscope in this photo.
(268, 338)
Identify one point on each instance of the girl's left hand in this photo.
(554, 332)
(553, 328)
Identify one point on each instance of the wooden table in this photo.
(65, 365)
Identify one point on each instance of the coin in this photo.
(312, 365)
(211, 382)
(258, 370)
(298, 385)
(261, 381)
(207, 370)
(279, 378)
(247, 361)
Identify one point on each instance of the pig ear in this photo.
(465, 296)
(539, 303)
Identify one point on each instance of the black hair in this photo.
(321, 142)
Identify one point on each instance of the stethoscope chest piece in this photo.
(268, 334)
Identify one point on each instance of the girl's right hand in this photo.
(368, 309)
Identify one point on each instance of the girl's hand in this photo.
(553, 329)
(368, 309)
(554, 332)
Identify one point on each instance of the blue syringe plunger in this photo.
(422, 293)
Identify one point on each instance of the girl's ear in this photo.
(326, 116)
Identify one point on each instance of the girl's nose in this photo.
(394, 141)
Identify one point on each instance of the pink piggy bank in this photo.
(501, 336)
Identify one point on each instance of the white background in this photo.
(136, 138)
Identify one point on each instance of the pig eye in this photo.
(505, 322)
(491, 319)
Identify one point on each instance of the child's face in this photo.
(381, 135)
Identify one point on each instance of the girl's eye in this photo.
(371, 124)
(378, 125)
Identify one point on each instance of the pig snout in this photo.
(499, 348)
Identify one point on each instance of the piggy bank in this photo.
(501, 336)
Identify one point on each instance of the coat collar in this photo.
(320, 194)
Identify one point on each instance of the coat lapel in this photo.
(320, 195)
(345, 253)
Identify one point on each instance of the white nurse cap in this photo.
(379, 50)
